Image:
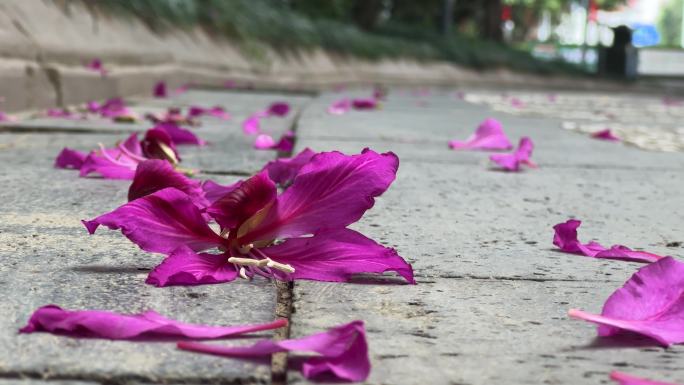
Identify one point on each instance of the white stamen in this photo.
(266, 262)
(243, 273)
(244, 249)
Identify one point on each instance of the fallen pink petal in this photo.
(278, 109)
(180, 135)
(341, 353)
(4, 117)
(606, 134)
(340, 107)
(266, 142)
(489, 136)
(650, 303)
(115, 326)
(565, 237)
(365, 104)
(628, 379)
(159, 90)
(96, 65)
(513, 161)
(69, 158)
(252, 125)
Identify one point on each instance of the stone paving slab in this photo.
(492, 293)
(49, 258)
(417, 134)
(471, 331)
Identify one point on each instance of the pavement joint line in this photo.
(504, 278)
(226, 172)
(284, 293)
(122, 379)
(50, 130)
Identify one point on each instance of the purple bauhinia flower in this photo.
(146, 326)
(298, 234)
(341, 353)
(121, 161)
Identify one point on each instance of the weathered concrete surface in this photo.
(48, 257)
(492, 295)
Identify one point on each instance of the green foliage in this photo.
(256, 23)
(670, 23)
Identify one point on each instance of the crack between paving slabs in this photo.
(284, 294)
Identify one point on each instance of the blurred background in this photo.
(527, 35)
(48, 46)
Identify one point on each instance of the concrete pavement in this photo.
(492, 294)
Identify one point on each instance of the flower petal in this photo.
(627, 379)
(488, 136)
(244, 201)
(149, 325)
(159, 90)
(160, 222)
(565, 237)
(278, 109)
(264, 142)
(651, 303)
(214, 191)
(69, 158)
(340, 107)
(365, 104)
(154, 175)
(110, 164)
(158, 144)
(283, 171)
(343, 352)
(184, 267)
(605, 135)
(335, 256)
(332, 190)
(252, 125)
(180, 135)
(512, 162)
